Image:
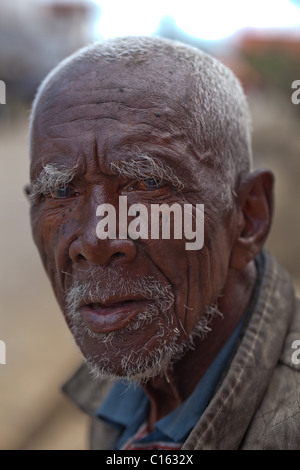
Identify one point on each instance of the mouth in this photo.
(111, 316)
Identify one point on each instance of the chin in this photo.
(144, 349)
(132, 371)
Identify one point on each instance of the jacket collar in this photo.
(248, 376)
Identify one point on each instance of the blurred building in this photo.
(259, 58)
(36, 35)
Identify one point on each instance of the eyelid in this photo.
(158, 183)
(135, 182)
(73, 191)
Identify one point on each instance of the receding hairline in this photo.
(132, 51)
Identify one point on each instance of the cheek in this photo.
(170, 258)
(197, 276)
(181, 268)
(44, 228)
(50, 233)
(213, 266)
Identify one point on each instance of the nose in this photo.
(87, 247)
(102, 252)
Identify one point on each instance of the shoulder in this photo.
(85, 391)
(276, 424)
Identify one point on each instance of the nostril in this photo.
(118, 254)
(100, 252)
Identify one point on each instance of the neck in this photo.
(167, 392)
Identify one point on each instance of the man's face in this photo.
(130, 304)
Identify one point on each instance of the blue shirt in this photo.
(126, 406)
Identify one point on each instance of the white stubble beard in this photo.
(139, 365)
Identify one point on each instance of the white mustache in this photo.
(100, 287)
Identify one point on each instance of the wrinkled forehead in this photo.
(145, 104)
(137, 84)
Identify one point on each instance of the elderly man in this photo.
(190, 347)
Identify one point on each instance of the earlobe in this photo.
(255, 210)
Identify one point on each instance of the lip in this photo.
(111, 316)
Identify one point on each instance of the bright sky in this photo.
(205, 19)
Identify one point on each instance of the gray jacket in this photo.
(257, 402)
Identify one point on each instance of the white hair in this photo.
(219, 120)
(143, 166)
(50, 179)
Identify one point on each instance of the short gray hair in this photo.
(220, 125)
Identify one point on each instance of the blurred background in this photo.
(258, 39)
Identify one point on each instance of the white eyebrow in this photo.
(51, 178)
(144, 166)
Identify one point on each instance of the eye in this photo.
(150, 183)
(63, 193)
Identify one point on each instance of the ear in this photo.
(27, 190)
(255, 209)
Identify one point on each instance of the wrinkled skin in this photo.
(105, 122)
